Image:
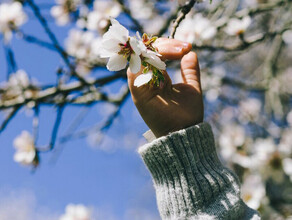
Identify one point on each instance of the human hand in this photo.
(175, 106)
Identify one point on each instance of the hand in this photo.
(175, 106)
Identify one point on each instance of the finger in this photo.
(137, 92)
(172, 49)
(190, 70)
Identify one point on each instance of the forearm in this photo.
(189, 179)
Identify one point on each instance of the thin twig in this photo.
(34, 40)
(54, 40)
(182, 14)
(102, 128)
(35, 124)
(8, 118)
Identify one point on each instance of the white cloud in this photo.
(22, 205)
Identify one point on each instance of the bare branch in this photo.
(182, 14)
(8, 118)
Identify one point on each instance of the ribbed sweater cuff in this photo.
(189, 179)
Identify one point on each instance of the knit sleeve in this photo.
(190, 181)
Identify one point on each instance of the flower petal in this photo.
(116, 62)
(109, 47)
(117, 31)
(135, 63)
(135, 45)
(143, 79)
(155, 61)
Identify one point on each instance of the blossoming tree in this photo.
(244, 48)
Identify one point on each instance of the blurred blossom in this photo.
(76, 212)
(287, 167)
(79, 43)
(263, 148)
(212, 95)
(253, 191)
(227, 114)
(285, 145)
(61, 11)
(250, 2)
(99, 18)
(15, 86)
(285, 80)
(86, 48)
(237, 26)
(289, 118)
(250, 108)
(153, 26)
(201, 30)
(274, 130)
(18, 79)
(142, 9)
(25, 149)
(12, 17)
(211, 81)
(232, 136)
(211, 84)
(287, 37)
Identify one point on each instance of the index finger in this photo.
(172, 49)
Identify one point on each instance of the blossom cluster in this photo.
(12, 17)
(204, 30)
(120, 48)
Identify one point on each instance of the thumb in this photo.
(190, 70)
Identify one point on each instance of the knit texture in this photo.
(190, 181)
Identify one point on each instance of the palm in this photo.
(175, 106)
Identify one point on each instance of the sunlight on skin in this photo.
(175, 106)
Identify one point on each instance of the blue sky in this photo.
(114, 183)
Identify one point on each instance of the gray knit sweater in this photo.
(190, 181)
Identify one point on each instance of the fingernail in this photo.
(186, 44)
(178, 49)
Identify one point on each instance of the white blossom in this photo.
(61, 11)
(12, 17)
(99, 18)
(76, 212)
(289, 118)
(18, 79)
(287, 37)
(250, 108)
(79, 43)
(287, 167)
(263, 148)
(25, 149)
(15, 86)
(237, 26)
(253, 191)
(233, 136)
(150, 56)
(143, 78)
(119, 47)
(142, 9)
(201, 30)
(285, 146)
